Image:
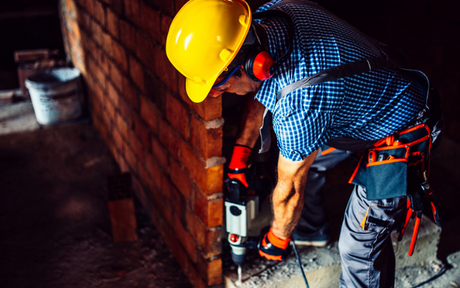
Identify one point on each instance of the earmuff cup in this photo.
(258, 64)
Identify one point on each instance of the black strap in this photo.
(337, 72)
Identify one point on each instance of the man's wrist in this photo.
(281, 234)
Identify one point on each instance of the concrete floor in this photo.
(54, 218)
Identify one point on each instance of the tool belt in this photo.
(387, 169)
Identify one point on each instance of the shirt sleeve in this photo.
(300, 132)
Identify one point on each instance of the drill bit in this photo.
(240, 275)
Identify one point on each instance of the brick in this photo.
(176, 200)
(150, 19)
(186, 240)
(195, 278)
(88, 44)
(149, 113)
(98, 94)
(117, 6)
(99, 12)
(165, 24)
(152, 169)
(142, 131)
(110, 109)
(169, 137)
(209, 210)
(116, 77)
(122, 126)
(102, 60)
(118, 140)
(136, 72)
(95, 108)
(123, 164)
(147, 182)
(131, 159)
(119, 55)
(146, 51)
(136, 145)
(165, 70)
(208, 180)
(178, 115)
(132, 10)
(130, 94)
(126, 111)
(88, 5)
(209, 109)
(107, 44)
(96, 72)
(213, 244)
(210, 269)
(106, 119)
(96, 32)
(155, 89)
(84, 19)
(160, 153)
(180, 178)
(128, 35)
(177, 249)
(207, 142)
(168, 210)
(112, 94)
(195, 227)
(112, 23)
(208, 239)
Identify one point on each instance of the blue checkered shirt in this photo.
(367, 106)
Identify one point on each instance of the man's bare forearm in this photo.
(251, 122)
(288, 195)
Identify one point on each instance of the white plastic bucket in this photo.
(56, 95)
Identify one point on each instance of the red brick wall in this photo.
(171, 147)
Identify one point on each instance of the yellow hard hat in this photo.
(204, 38)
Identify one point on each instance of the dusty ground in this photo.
(54, 219)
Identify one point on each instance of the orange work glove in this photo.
(274, 248)
(238, 163)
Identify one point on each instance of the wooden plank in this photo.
(121, 208)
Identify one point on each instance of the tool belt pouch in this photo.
(395, 166)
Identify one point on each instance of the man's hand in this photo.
(274, 248)
(238, 164)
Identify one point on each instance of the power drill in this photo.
(241, 207)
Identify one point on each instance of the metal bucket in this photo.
(56, 95)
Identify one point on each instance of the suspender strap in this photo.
(337, 72)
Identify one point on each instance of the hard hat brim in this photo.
(197, 92)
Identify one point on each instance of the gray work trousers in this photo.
(366, 255)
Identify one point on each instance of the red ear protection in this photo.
(258, 65)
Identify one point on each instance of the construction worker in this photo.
(219, 46)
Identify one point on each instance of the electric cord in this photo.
(440, 272)
(300, 263)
